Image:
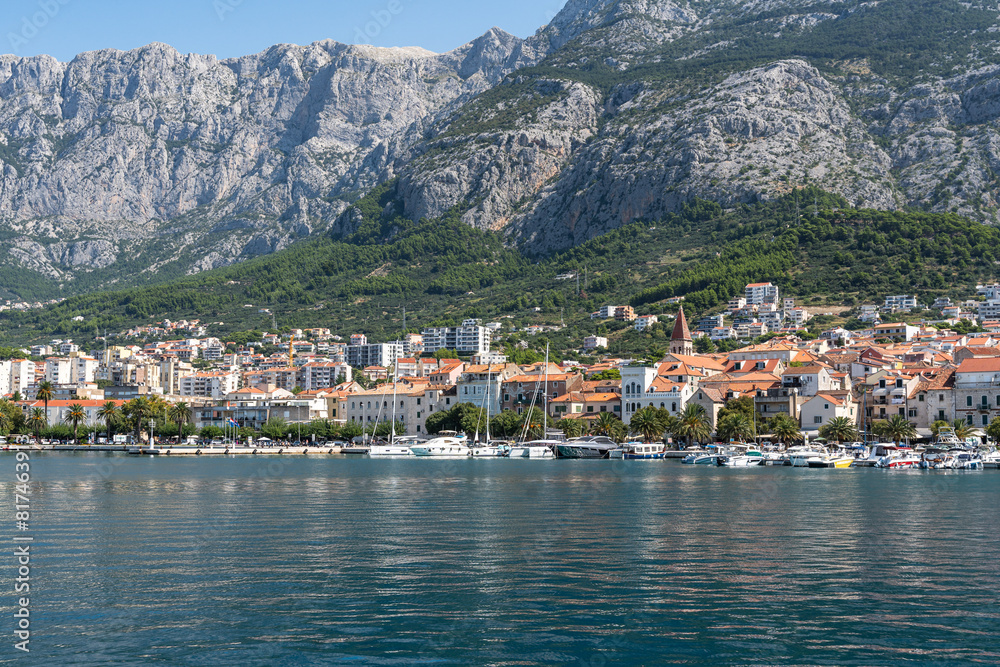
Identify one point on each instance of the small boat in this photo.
(587, 447)
(642, 451)
(534, 449)
(491, 450)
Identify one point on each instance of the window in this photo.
(899, 384)
(920, 398)
(673, 407)
(881, 384)
(817, 420)
(418, 401)
(506, 398)
(941, 415)
(590, 408)
(826, 406)
(986, 420)
(902, 412)
(418, 426)
(968, 420)
(604, 408)
(447, 401)
(968, 401)
(913, 413)
(618, 408)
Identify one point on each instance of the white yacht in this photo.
(454, 447)
(535, 449)
(395, 449)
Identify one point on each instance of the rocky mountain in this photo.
(135, 166)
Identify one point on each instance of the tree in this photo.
(735, 426)
(110, 415)
(896, 427)
(180, 414)
(532, 424)
(37, 420)
(610, 374)
(993, 430)
(938, 425)
(45, 394)
(572, 428)
(276, 428)
(839, 429)
(694, 424)
(962, 429)
(647, 423)
(76, 415)
(135, 412)
(785, 429)
(605, 424)
(210, 432)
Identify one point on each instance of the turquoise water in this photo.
(141, 561)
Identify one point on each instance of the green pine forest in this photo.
(810, 243)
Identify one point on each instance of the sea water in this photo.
(296, 561)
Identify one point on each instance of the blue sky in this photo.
(227, 28)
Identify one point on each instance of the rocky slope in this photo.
(193, 162)
(148, 164)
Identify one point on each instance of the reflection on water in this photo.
(241, 562)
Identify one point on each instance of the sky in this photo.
(230, 28)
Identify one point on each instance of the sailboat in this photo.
(394, 447)
(486, 449)
(537, 449)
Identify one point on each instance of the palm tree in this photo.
(37, 420)
(76, 415)
(572, 428)
(839, 429)
(896, 427)
(647, 423)
(6, 423)
(180, 414)
(694, 424)
(604, 424)
(785, 429)
(136, 412)
(110, 415)
(45, 393)
(962, 429)
(735, 426)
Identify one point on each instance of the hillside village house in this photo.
(977, 391)
(820, 409)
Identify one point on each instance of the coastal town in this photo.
(923, 374)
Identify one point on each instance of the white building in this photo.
(761, 293)
(901, 302)
(644, 386)
(594, 342)
(209, 385)
(323, 375)
(868, 313)
(645, 321)
(723, 333)
(377, 354)
(469, 338)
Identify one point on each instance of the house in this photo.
(585, 405)
(977, 390)
(809, 380)
(822, 408)
(521, 391)
(644, 322)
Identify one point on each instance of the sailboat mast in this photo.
(545, 396)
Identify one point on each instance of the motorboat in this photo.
(394, 449)
(967, 461)
(644, 451)
(587, 447)
(741, 456)
(897, 458)
(800, 457)
(443, 447)
(991, 459)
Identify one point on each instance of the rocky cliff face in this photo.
(119, 164)
(195, 162)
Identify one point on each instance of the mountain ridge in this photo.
(133, 167)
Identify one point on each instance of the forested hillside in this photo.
(810, 243)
